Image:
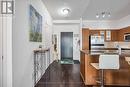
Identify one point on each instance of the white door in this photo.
(1, 65)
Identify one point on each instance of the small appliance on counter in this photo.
(96, 41)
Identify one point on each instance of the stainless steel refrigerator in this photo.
(96, 41)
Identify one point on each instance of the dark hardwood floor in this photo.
(61, 75)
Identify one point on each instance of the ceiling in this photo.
(87, 9)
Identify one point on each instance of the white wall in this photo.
(22, 47)
(58, 28)
(123, 22)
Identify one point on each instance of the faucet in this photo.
(119, 49)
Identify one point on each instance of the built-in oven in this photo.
(127, 37)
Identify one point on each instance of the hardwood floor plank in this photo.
(62, 75)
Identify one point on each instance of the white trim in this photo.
(98, 24)
(7, 50)
(66, 21)
(80, 32)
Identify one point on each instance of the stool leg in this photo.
(102, 78)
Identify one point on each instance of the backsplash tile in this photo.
(116, 44)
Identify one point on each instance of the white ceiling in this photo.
(87, 9)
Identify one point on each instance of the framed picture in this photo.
(35, 32)
(54, 41)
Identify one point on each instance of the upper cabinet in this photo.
(85, 38)
(114, 35)
(122, 32)
(94, 32)
(109, 35)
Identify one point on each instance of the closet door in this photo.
(67, 45)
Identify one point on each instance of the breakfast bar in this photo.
(91, 76)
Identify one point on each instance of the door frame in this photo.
(6, 56)
(1, 52)
(60, 43)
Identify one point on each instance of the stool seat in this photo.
(95, 65)
(127, 59)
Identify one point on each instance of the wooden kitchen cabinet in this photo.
(105, 36)
(114, 35)
(85, 39)
(94, 32)
(120, 35)
(122, 32)
(82, 65)
(88, 73)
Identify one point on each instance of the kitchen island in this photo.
(91, 76)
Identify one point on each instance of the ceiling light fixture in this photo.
(65, 11)
(109, 15)
(97, 15)
(103, 15)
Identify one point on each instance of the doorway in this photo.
(66, 45)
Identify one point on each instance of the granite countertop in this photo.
(99, 52)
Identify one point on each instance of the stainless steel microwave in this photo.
(127, 37)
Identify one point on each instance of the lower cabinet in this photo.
(89, 74)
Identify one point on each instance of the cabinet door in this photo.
(82, 65)
(122, 32)
(85, 39)
(94, 32)
(107, 35)
(114, 35)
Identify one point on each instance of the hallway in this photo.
(62, 75)
(54, 43)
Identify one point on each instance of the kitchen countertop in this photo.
(99, 52)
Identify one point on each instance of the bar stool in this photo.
(127, 59)
(106, 61)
